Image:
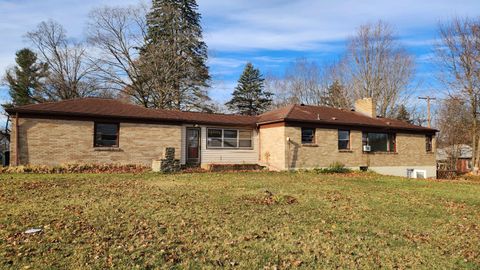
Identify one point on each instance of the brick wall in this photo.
(410, 151)
(366, 106)
(283, 155)
(272, 146)
(53, 142)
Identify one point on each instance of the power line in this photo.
(429, 118)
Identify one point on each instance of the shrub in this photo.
(335, 167)
(235, 167)
(76, 168)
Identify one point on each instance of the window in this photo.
(428, 143)
(308, 135)
(379, 142)
(410, 173)
(245, 139)
(420, 174)
(106, 134)
(343, 139)
(229, 138)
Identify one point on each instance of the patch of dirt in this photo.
(268, 198)
(44, 185)
(417, 237)
(335, 196)
(74, 209)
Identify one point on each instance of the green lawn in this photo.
(228, 220)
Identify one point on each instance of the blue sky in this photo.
(269, 33)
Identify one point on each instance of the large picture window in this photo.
(229, 138)
(379, 142)
(343, 139)
(106, 134)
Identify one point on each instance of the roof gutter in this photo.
(387, 127)
(87, 116)
(270, 122)
(421, 129)
(183, 121)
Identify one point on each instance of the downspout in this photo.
(259, 144)
(287, 166)
(17, 137)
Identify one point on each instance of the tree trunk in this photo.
(475, 151)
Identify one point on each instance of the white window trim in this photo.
(348, 140)
(223, 139)
(415, 172)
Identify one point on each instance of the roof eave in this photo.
(11, 111)
(56, 114)
(270, 122)
(420, 129)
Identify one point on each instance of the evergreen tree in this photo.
(174, 56)
(249, 97)
(336, 96)
(403, 114)
(25, 79)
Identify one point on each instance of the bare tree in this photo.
(458, 55)
(277, 85)
(453, 118)
(340, 89)
(303, 82)
(379, 67)
(307, 82)
(70, 75)
(118, 33)
(337, 96)
(417, 112)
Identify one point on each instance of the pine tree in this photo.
(249, 97)
(403, 114)
(25, 79)
(336, 96)
(174, 57)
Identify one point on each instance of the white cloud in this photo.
(226, 62)
(19, 17)
(425, 58)
(221, 66)
(306, 24)
(251, 30)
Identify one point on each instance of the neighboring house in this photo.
(455, 157)
(96, 130)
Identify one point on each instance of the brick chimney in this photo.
(366, 106)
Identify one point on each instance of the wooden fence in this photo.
(447, 174)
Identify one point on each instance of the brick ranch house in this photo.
(94, 130)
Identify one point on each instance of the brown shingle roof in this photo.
(333, 116)
(114, 109)
(110, 108)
